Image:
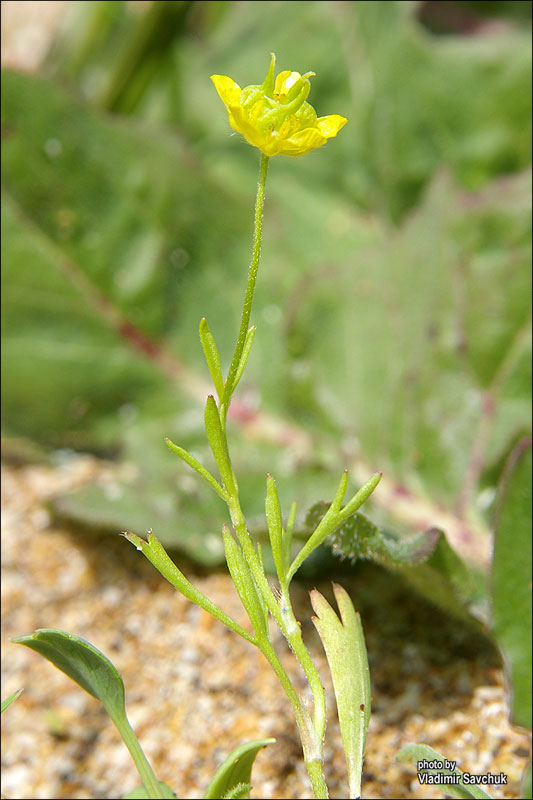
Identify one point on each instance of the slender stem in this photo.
(303, 720)
(150, 782)
(293, 634)
(311, 734)
(314, 770)
(252, 275)
(284, 617)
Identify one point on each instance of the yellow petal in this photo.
(302, 142)
(330, 126)
(280, 89)
(228, 90)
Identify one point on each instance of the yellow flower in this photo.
(275, 116)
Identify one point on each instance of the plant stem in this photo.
(252, 275)
(149, 780)
(311, 733)
(293, 634)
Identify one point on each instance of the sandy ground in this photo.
(195, 691)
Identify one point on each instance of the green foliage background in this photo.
(393, 303)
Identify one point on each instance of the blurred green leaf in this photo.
(11, 699)
(400, 348)
(236, 769)
(415, 103)
(414, 753)
(425, 560)
(100, 234)
(526, 788)
(511, 579)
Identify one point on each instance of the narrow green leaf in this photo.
(248, 342)
(95, 673)
(341, 491)
(334, 517)
(245, 584)
(275, 525)
(139, 793)
(511, 579)
(158, 556)
(417, 753)
(212, 358)
(11, 699)
(287, 537)
(360, 497)
(235, 770)
(192, 462)
(262, 566)
(218, 443)
(345, 647)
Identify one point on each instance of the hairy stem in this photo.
(252, 275)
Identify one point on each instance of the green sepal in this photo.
(345, 648)
(158, 556)
(95, 673)
(211, 356)
(11, 699)
(414, 753)
(219, 445)
(245, 584)
(334, 517)
(235, 771)
(268, 83)
(275, 525)
(201, 470)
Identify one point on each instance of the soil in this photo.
(195, 691)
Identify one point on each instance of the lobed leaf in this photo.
(345, 647)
